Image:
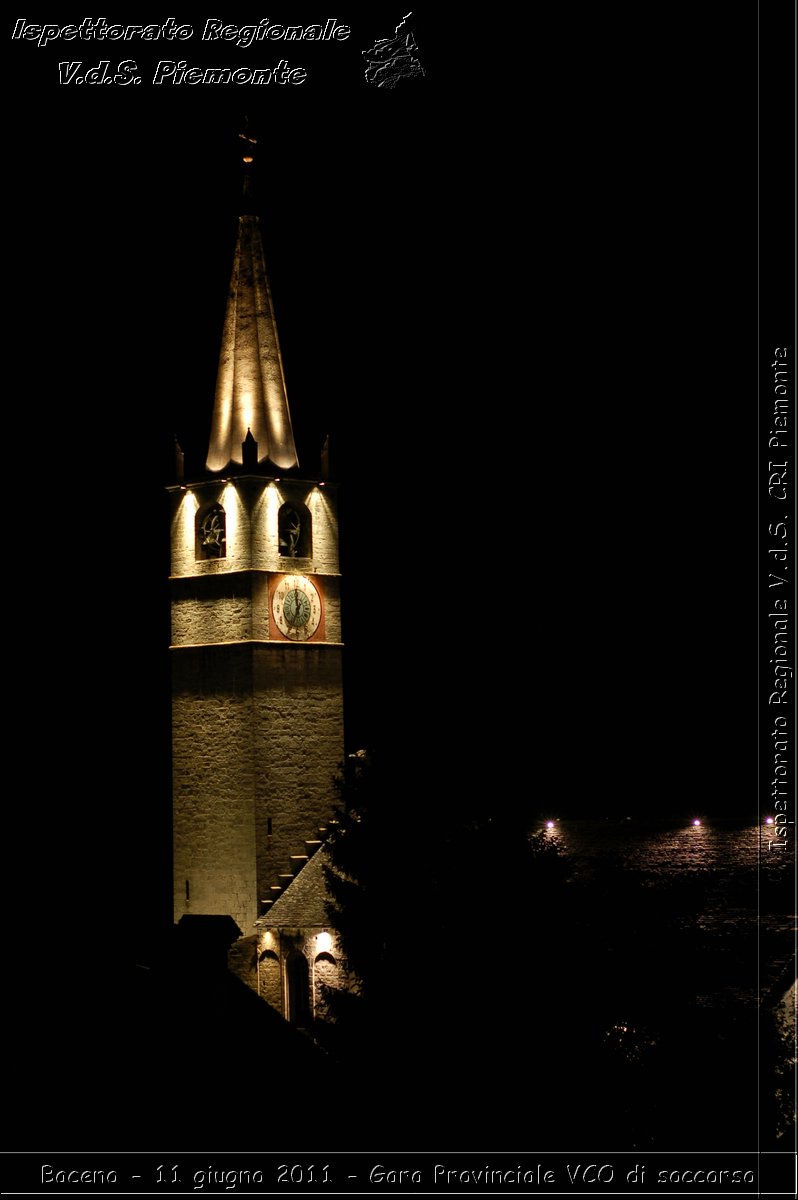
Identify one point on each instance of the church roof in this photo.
(250, 387)
(302, 904)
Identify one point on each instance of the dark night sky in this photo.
(516, 296)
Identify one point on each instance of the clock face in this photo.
(296, 605)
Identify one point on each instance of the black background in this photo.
(519, 293)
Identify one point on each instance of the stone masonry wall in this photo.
(270, 973)
(218, 609)
(213, 784)
(236, 607)
(252, 540)
(257, 723)
(257, 737)
(324, 969)
(298, 743)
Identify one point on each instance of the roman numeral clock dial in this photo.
(296, 607)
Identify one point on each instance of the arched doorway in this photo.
(298, 987)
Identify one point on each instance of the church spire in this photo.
(250, 387)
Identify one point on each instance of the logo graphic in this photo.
(391, 60)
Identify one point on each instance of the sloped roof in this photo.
(302, 904)
(250, 386)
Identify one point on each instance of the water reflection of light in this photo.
(672, 850)
(552, 832)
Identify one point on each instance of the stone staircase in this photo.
(295, 864)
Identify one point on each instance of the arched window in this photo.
(211, 528)
(298, 983)
(327, 980)
(294, 530)
(269, 987)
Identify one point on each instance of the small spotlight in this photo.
(696, 822)
(322, 483)
(549, 824)
(768, 820)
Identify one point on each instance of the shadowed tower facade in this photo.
(257, 699)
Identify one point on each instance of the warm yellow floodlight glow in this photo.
(273, 498)
(233, 513)
(250, 388)
(188, 511)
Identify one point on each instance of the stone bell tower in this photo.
(257, 701)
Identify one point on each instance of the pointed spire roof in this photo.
(250, 387)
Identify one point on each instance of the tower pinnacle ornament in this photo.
(250, 386)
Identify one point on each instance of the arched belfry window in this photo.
(211, 531)
(294, 528)
(298, 982)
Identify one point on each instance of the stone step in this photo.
(297, 862)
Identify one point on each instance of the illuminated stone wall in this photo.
(251, 506)
(298, 741)
(213, 776)
(298, 923)
(324, 967)
(226, 599)
(257, 737)
(217, 608)
(270, 979)
(257, 719)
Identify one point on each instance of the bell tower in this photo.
(257, 698)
